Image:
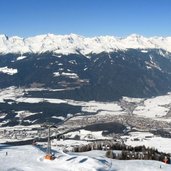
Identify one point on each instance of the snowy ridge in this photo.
(71, 44)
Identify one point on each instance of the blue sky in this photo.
(85, 17)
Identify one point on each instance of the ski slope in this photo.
(30, 158)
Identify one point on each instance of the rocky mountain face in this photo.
(102, 77)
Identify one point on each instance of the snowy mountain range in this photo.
(41, 70)
(75, 44)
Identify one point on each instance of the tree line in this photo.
(118, 150)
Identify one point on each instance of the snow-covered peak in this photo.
(3, 36)
(134, 36)
(73, 43)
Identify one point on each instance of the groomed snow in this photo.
(29, 158)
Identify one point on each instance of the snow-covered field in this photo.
(30, 158)
(9, 71)
(154, 107)
(149, 140)
(87, 135)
